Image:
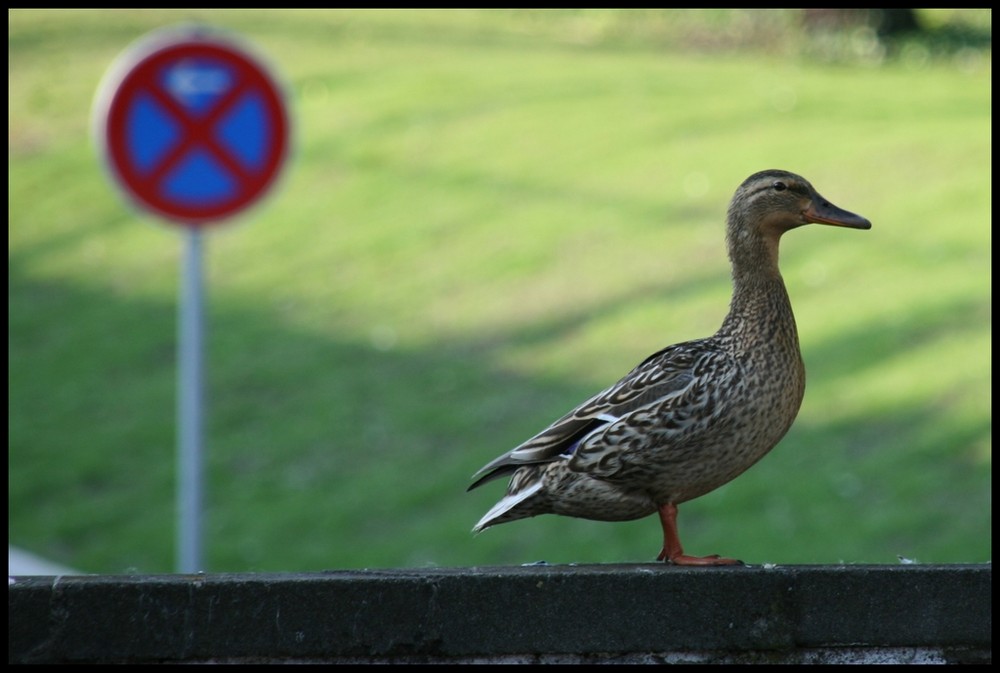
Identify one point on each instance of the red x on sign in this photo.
(194, 128)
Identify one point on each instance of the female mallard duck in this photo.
(692, 416)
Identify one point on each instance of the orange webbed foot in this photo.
(673, 552)
(685, 560)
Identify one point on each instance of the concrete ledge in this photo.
(605, 613)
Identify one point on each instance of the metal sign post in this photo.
(190, 407)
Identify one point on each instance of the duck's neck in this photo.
(760, 314)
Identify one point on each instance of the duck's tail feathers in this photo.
(502, 511)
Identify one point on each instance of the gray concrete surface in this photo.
(21, 562)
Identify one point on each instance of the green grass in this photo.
(490, 216)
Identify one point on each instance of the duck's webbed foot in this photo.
(672, 550)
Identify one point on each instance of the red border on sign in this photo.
(144, 78)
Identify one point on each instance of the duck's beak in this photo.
(822, 211)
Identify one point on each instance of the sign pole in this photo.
(190, 411)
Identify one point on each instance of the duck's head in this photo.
(775, 201)
(771, 202)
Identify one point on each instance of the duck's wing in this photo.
(663, 374)
(661, 429)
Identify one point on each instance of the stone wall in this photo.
(598, 613)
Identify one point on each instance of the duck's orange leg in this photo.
(672, 550)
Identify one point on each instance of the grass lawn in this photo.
(488, 217)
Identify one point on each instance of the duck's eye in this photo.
(779, 186)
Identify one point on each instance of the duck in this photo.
(694, 415)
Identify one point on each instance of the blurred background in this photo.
(488, 217)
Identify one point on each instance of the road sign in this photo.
(193, 127)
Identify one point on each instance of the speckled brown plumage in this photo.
(694, 415)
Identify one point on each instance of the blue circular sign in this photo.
(194, 129)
